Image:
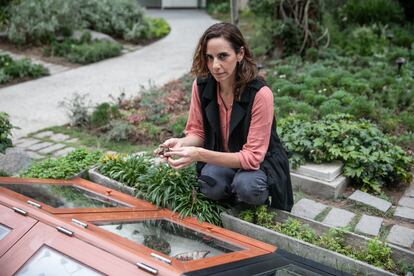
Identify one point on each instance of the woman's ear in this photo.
(240, 55)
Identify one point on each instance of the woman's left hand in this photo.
(186, 156)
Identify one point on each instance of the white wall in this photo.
(180, 3)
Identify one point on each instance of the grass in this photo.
(361, 208)
(96, 142)
(322, 215)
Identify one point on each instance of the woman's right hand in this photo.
(173, 143)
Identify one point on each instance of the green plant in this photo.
(122, 19)
(294, 228)
(372, 11)
(42, 21)
(64, 167)
(125, 169)
(179, 125)
(77, 109)
(83, 51)
(5, 132)
(119, 131)
(371, 160)
(377, 253)
(177, 190)
(14, 69)
(103, 114)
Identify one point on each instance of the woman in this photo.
(231, 130)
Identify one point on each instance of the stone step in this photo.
(401, 236)
(307, 208)
(338, 217)
(370, 200)
(369, 225)
(317, 187)
(326, 171)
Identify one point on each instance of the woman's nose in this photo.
(216, 64)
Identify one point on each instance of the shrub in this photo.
(122, 19)
(119, 131)
(103, 114)
(372, 11)
(370, 158)
(5, 132)
(14, 69)
(77, 109)
(42, 20)
(84, 51)
(64, 167)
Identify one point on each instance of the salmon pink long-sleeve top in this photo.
(253, 152)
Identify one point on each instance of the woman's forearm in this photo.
(192, 141)
(224, 159)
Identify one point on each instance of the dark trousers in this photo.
(220, 183)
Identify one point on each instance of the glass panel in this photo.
(4, 230)
(47, 261)
(63, 196)
(171, 239)
(289, 270)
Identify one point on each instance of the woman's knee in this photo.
(214, 181)
(251, 187)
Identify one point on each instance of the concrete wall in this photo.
(173, 3)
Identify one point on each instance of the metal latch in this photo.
(79, 223)
(65, 231)
(20, 211)
(161, 258)
(147, 268)
(37, 205)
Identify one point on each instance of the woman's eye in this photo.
(209, 57)
(222, 56)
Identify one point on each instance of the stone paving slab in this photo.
(26, 142)
(63, 152)
(404, 213)
(325, 171)
(406, 202)
(34, 155)
(307, 208)
(370, 200)
(369, 225)
(52, 148)
(59, 137)
(313, 186)
(44, 134)
(402, 236)
(338, 217)
(73, 140)
(39, 146)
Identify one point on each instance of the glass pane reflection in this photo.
(63, 196)
(171, 239)
(4, 230)
(47, 261)
(289, 270)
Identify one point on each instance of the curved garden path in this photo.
(34, 105)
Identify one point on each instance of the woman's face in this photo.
(222, 59)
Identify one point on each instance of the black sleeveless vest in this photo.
(275, 164)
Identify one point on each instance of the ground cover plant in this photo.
(83, 50)
(64, 167)
(162, 185)
(148, 119)
(370, 159)
(13, 70)
(376, 253)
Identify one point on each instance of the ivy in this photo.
(370, 159)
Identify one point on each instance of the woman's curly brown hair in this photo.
(246, 70)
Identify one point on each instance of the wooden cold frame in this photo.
(113, 195)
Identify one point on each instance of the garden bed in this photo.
(95, 176)
(301, 248)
